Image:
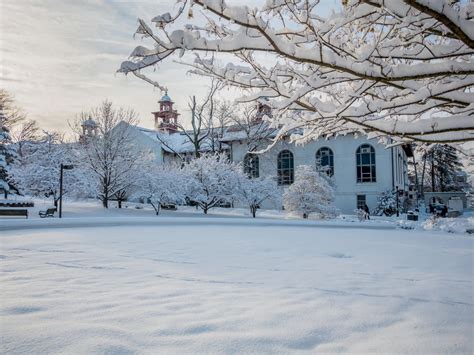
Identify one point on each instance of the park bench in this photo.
(14, 212)
(48, 213)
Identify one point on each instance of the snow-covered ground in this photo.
(91, 213)
(233, 285)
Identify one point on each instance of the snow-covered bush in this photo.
(361, 214)
(253, 192)
(450, 225)
(386, 204)
(311, 192)
(37, 172)
(160, 185)
(212, 181)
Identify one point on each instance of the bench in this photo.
(14, 212)
(48, 213)
(15, 204)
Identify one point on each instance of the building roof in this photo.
(89, 122)
(165, 98)
(173, 143)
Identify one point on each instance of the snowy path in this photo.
(235, 288)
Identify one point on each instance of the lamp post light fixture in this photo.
(63, 167)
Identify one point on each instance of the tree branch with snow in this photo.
(399, 69)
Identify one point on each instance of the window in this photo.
(361, 202)
(285, 168)
(251, 166)
(365, 162)
(325, 160)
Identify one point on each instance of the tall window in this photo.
(286, 174)
(325, 160)
(361, 201)
(251, 166)
(365, 160)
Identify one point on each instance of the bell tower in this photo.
(89, 130)
(166, 119)
(263, 109)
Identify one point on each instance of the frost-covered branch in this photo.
(400, 69)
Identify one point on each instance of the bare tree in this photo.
(26, 132)
(202, 116)
(401, 68)
(257, 131)
(12, 114)
(110, 156)
(202, 132)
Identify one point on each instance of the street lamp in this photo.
(63, 167)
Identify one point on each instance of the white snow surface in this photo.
(233, 285)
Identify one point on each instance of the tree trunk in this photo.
(105, 202)
(205, 208)
(423, 178)
(119, 202)
(254, 211)
(432, 173)
(156, 207)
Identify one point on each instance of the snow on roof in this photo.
(174, 142)
(236, 133)
(89, 122)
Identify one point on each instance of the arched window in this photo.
(365, 160)
(325, 160)
(286, 172)
(251, 166)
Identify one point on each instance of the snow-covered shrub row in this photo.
(450, 225)
(312, 192)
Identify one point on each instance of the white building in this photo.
(362, 168)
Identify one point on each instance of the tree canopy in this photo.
(399, 70)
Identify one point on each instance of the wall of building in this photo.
(145, 143)
(345, 173)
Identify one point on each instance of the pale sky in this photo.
(59, 57)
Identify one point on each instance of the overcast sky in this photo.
(59, 57)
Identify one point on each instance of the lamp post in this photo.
(396, 187)
(63, 167)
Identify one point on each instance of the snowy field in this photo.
(235, 286)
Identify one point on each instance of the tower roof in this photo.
(89, 122)
(165, 97)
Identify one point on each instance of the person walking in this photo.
(367, 211)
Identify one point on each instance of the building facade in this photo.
(362, 169)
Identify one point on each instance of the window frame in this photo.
(286, 174)
(361, 175)
(330, 155)
(361, 202)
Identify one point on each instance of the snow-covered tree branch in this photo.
(400, 69)
(110, 157)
